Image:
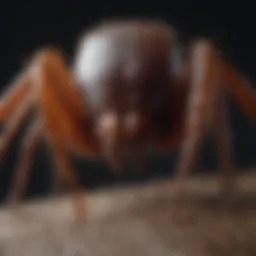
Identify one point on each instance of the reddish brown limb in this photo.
(24, 164)
(60, 107)
(221, 131)
(244, 95)
(14, 96)
(67, 173)
(207, 106)
(240, 88)
(62, 110)
(61, 103)
(218, 121)
(13, 124)
(203, 75)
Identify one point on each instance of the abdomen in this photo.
(118, 50)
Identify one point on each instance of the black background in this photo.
(28, 25)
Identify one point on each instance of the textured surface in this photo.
(137, 221)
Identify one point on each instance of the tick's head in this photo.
(119, 135)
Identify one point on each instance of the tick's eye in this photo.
(107, 123)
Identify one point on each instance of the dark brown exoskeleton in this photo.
(130, 93)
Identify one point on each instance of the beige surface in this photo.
(137, 221)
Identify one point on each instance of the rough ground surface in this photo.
(137, 221)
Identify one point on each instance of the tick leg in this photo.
(203, 74)
(58, 101)
(61, 107)
(15, 94)
(222, 135)
(24, 164)
(14, 123)
(67, 174)
(239, 87)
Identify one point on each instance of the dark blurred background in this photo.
(28, 25)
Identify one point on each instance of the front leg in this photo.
(67, 173)
(203, 74)
(16, 93)
(63, 112)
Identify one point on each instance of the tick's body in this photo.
(129, 93)
(127, 69)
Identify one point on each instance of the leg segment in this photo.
(14, 96)
(221, 134)
(24, 164)
(13, 124)
(67, 173)
(60, 106)
(203, 74)
(239, 87)
(63, 112)
(218, 121)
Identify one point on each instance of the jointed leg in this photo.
(219, 126)
(15, 94)
(203, 72)
(24, 164)
(67, 173)
(13, 124)
(62, 118)
(239, 87)
(48, 84)
(221, 131)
